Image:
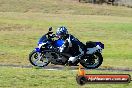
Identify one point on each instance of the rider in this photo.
(71, 45)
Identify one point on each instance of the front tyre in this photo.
(92, 61)
(38, 59)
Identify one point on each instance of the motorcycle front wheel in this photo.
(38, 59)
(92, 61)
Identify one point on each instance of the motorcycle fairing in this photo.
(42, 39)
(58, 43)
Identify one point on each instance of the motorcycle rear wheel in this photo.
(89, 64)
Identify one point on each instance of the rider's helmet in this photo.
(61, 32)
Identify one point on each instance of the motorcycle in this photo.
(48, 52)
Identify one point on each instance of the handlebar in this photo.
(50, 34)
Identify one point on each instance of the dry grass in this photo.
(62, 7)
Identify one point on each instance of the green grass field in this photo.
(23, 22)
(39, 78)
(20, 33)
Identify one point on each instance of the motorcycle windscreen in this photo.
(58, 43)
(42, 39)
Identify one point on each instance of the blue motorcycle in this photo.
(48, 52)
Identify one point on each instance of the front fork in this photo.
(39, 54)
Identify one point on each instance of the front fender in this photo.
(37, 49)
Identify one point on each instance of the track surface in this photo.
(60, 67)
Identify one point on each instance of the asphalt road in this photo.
(60, 67)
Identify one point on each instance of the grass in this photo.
(38, 78)
(21, 31)
(62, 6)
(23, 22)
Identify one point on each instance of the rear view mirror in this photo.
(50, 28)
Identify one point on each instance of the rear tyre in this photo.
(92, 62)
(38, 59)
